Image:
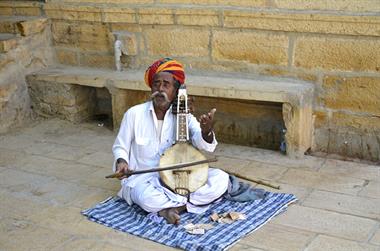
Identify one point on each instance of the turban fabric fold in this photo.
(165, 65)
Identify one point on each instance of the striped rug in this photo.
(117, 214)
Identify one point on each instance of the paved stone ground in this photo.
(51, 170)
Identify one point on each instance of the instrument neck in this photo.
(182, 111)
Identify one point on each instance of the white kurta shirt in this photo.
(139, 144)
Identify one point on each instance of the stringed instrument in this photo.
(185, 180)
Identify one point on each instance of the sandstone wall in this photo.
(25, 54)
(334, 44)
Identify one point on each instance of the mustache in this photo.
(160, 94)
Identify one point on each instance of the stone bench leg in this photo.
(122, 100)
(298, 123)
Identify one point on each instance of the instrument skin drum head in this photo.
(184, 153)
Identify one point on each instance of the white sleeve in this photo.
(196, 136)
(122, 146)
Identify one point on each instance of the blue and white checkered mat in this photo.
(116, 213)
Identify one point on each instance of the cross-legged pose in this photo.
(147, 131)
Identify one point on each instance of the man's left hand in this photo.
(206, 122)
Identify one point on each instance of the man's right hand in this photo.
(122, 167)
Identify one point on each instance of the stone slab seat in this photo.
(296, 96)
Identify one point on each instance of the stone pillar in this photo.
(122, 100)
(298, 123)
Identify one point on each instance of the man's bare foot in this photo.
(171, 215)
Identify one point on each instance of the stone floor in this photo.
(51, 170)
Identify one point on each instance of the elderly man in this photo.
(146, 131)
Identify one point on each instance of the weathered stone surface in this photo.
(351, 169)
(155, 16)
(245, 3)
(6, 11)
(119, 15)
(338, 94)
(63, 100)
(371, 190)
(32, 26)
(340, 5)
(86, 37)
(376, 238)
(322, 181)
(28, 238)
(323, 242)
(278, 238)
(177, 41)
(7, 42)
(98, 60)
(197, 17)
(344, 203)
(65, 56)
(256, 48)
(325, 222)
(82, 244)
(354, 144)
(337, 54)
(128, 40)
(73, 12)
(302, 22)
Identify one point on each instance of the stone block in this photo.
(321, 119)
(242, 3)
(344, 54)
(29, 238)
(341, 5)
(128, 40)
(122, 100)
(87, 37)
(7, 42)
(302, 22)
(63, 100)
(119, 15)
(8, 27)
(255, 48)
(282, 72)
(155, 16)
(351, 169)
(323, 242)
(97, 60)
(67, 56)
(376, 237)
(326, 222)
(353, 205)
(132, 28)
(371, 190)
(177, 41)
(338, 95)
(6, 11)
(197, 17)
(27, 11)
(323, 181)
(362, 123)
(278, 238)
(73, 12)
(33, 26)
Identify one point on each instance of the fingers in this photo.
(204, 119)
(122, 168)
(211, 113)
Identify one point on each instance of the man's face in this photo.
(163, 85)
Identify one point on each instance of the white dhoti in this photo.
(147, 192)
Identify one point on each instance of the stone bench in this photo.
(295, 96)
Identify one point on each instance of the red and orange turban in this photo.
(165, 65)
